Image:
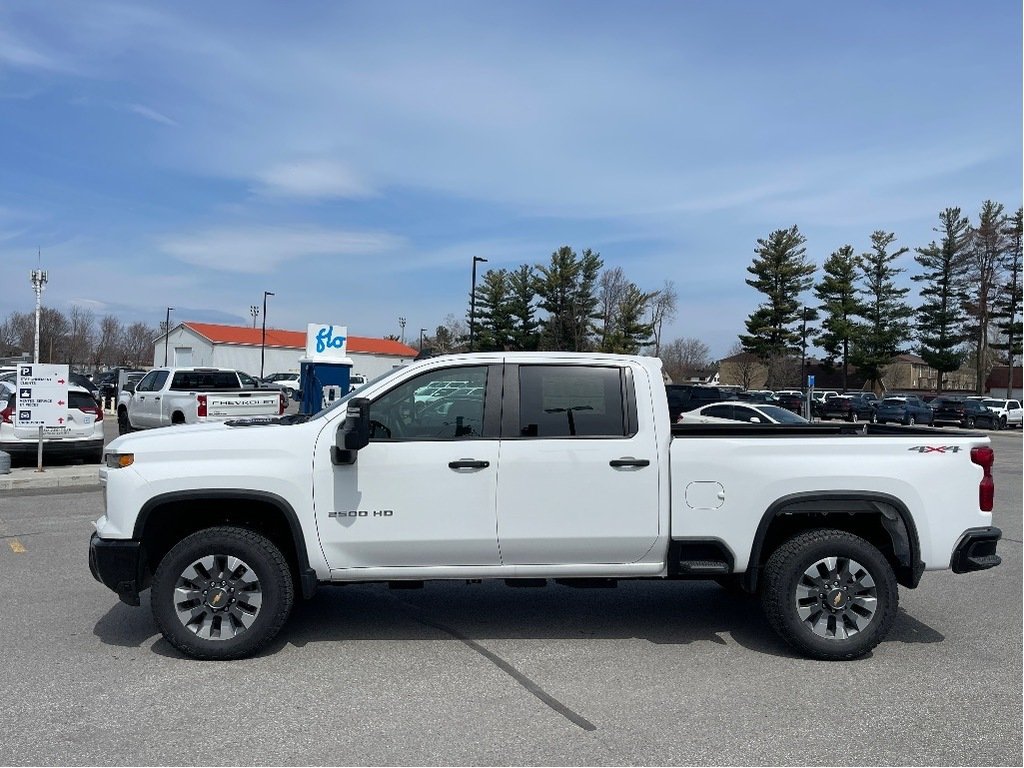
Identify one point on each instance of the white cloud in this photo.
(323, 178)
(262, 249)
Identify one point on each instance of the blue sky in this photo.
(353, 157)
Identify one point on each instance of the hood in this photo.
(209, 437)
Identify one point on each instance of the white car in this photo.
(1009, 411)
(289, 381)
(81, 437)
(754, 413)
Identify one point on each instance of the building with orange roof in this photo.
(238, 346)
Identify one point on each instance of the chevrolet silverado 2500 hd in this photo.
(167, 396)
(536, 466)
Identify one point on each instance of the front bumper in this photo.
(976, 550)
(117, 564)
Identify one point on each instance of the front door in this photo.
(145, 405)
(579, 480)
(422, 493)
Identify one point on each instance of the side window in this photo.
(1013, 405)
(720, 412)
(571, 401)
(746, 414)
(440, 405)
(152, 381)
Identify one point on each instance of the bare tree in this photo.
(682, 357)
(82, 338)
(138, 344)
(109, 344)
(611, 288)
(663, 310)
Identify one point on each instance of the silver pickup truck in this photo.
(168, 396)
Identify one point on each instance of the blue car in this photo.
(903, 409)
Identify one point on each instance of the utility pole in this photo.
(263, 343)
(167, 332)
(38, 283)
(472, 305)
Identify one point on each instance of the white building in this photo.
(239, 347)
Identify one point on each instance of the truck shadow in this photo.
(663, 613)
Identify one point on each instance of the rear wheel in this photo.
(1002, 423)
(829, 594)
(123, 425)
(222, 593)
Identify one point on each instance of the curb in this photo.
(19, 480)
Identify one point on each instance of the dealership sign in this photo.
(42, 397)
(327, 342)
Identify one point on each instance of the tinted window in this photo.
(205, 380)
(571, 401)
(81, 400)
(439, 405)
(720, 411)
(152, 382)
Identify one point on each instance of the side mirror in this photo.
(354, 434)
(130, 388)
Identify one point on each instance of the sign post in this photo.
(810, 394)
(42, 402)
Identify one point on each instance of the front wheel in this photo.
(123, 425)
(222, 593)
(829, 594)
(1002, 423)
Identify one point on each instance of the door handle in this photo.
(468, 464)
(629, 461)
(156, 398)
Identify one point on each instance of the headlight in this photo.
(119, 460)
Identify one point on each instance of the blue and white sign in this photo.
(326, 342)
(810, 380)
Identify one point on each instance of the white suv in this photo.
(1008, 411)
(81, 437)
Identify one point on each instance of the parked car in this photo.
(283, 381)
(947, 409)
(107, 382)
(977, 415)
(790, 401)
(903, 409)
(686, 397)
(758, 396)
(754, 413)
(1008, 411)
(850, 407)
(85, 382)
(81, 436)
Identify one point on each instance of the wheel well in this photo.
(169, 522)
(177, 417)
(882, 522)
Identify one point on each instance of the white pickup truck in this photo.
(539, 466)
(170, 396)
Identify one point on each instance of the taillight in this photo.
(282, 404)
(985, 457)
(202, 405)
(95, 410)
(7, 413)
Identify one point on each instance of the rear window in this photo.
(205, 380)
(897, 401)
(81, 401)
(571, 401)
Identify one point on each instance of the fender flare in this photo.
(896, 520)
(307, 576)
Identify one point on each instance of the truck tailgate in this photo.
(235, 404)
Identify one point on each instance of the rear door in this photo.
(578, 477)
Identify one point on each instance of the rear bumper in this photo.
(115, 563)
(976, 550)
(52, 447)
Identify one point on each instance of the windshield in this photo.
(345, 398)
(781, 415)
(989, 403)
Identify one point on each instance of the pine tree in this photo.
(885, 324)
(987, 249)
(781, 272)
(494, 323)
(625, 331)
(522, 286)
(837, 293)
(941, 325)
(1008, 306)
(566, 290)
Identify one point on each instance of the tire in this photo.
(969, 422)
(911, 421)
(1002, 423)
(792, 602)
(123, 425)
(185, 591)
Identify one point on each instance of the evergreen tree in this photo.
(942, 328)
(522, 309)
(494, 323)
(837, 293)
(626, 331)
(781, 272)
(1008, 306)
(987, 249)
(885, 325)
(566, 290)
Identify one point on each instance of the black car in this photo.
(975, 414)
(794, 403)
(903, 409)
(837, 407)
(686, 397)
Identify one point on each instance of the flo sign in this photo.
(326, 343)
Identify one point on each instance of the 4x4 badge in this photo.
(935, 448)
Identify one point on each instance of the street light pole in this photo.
(167, 333)
(422, 331)
(472, 305)
(254, 310)
(263, 343)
